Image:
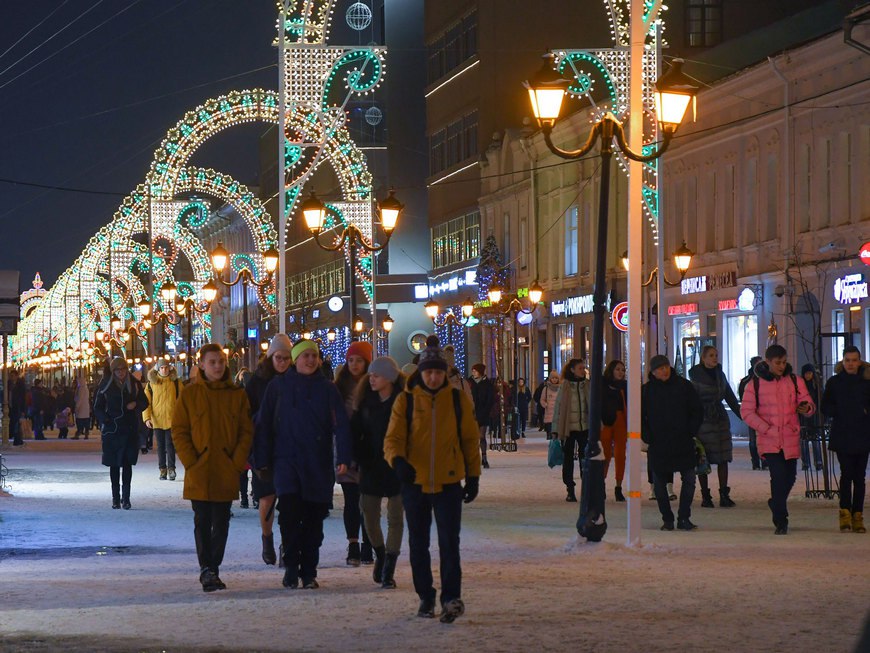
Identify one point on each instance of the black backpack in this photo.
(755, 386)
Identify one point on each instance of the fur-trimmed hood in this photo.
(864, 370)
(154, 375)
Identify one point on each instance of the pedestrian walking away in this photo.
(162, 392)
(571, 420)
(671, 414)
(522, 399)
(757, 462)
(433, 448)
(847, 402)
(811, 436)
(373, 405)
(483, 394)
(118, 407)
(772, 403)
(212, 434)
(302, 427)
(715, 432)
(548, 401)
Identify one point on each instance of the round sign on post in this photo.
(864, 253)
(619, 316)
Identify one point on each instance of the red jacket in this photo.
(773, 414)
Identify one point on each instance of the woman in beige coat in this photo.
(212, 432)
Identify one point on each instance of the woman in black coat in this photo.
(118, 408)
(715, 432)
(373, 405)
(522, 399)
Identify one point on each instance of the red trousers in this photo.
(613, 442)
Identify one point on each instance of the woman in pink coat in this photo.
(771, 405)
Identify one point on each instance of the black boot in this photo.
(378, 571)
(706, 498)
(366, 555)
(389, 571)
(571, 498)
(269, 556)
(724, 498)
(617, 494)
(353, 554)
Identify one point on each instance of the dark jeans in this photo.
(669, 478)
(687, 494)
(574, 440)
(301, 524)
(62, 433)
(38, 426)
(211, 526)
(524, 417)
(83, 426)
(806, 463)
(165, 448)
(447, 506)
(243, 484)
(353, 522)
(15, 429)
(853, 468)
(753, 449)
(121, 483)
(782, 476)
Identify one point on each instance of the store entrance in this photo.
(690, 352)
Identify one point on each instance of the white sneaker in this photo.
(652, 493)
(671, 494)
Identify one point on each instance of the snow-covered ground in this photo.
(76, 575)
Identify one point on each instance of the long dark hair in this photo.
(608, 371)
(568, 370)
(345, 381)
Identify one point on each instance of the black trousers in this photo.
(211, 526)
(447, 508)
(120, 478)
(353, 521)
(853, 468)
(575, 440)
(783, 473)
(301, 524)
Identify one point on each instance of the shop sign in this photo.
(851, 288)
(619, 316)
(864, 253)
(682, 309)
(453, 283)
(745, 302)
(728, 305)
(575, 305)
(709, 282)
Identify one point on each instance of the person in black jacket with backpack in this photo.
(847, 401)
(373, 405)
(757, 461)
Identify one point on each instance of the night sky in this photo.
(86, 109)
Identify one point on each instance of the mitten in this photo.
(471, 488)
(404, 470)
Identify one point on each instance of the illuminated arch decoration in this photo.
(106, 276)
(610, 68)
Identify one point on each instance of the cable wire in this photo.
(27, 33)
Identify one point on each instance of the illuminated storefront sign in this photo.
(682, 309)
(453, 283)
(575, 306)
(619, 316)
(708, 282)
(745, 302)
(851, 288)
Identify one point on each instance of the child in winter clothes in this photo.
(771, 406)
(212, 431)
(301, 419)
(62, 422)
(433, 448)
(373, 406)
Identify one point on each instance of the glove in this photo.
(264, 474)
(404, 470)
(471, 488)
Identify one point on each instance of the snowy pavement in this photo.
(76, 575)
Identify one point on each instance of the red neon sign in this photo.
(682, 309)
(864, 253)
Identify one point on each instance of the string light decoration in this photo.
(108, 274)
(610, 68)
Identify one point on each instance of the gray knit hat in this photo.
(279, 343)
(386, 367)
(658, 361)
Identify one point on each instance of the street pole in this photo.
(351, 284)
(634, 366)
(282, 179)
(4, 399)
(246, 340)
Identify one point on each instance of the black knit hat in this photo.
(432, 358)
(658, 361)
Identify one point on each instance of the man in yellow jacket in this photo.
(162, 391)
(432, 444)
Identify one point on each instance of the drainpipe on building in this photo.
(789, 157)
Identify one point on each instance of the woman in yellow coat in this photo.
(212, 432)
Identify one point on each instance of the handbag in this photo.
(702, 466)
(555, 454)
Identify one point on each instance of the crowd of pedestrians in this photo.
(416, 440)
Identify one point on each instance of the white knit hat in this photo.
(281, 342)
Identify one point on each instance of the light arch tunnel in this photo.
(159, 229)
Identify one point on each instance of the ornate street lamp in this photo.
(314, 213)
(674, 91)
(219, 259)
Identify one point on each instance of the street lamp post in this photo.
(674, 92)
(187, 306)
(315, 213)
(219, 259)
(433, 310)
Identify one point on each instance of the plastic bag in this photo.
(702, 466)
(555, 455)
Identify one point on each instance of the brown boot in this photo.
(845, 520)
(858, 523)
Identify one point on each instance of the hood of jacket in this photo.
(154, 376)
(864, 370)
(762, 371)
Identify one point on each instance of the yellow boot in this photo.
(845, 520)
(858, 523)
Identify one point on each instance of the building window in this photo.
(772, 213)
(730, 193)
(750, 196)
(524, 244)
(828, 195)
(453, 48)
(456, 241)
(703, 23)
(453, 144)
(805, 189)
(571, 241)
(564, 346)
